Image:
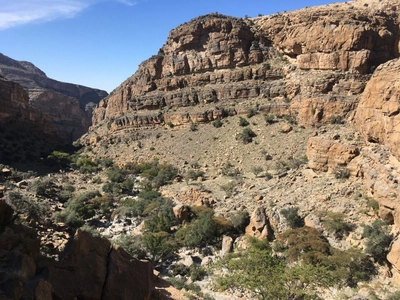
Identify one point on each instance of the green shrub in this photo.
(335, 223)
(240, 220)
(196, 272)
(115, 174)
(251, 112)
(269, 119)
(158, 246)
(336, 119)
(86, 165)
(69, 217)
(243, 122)
(179, 269)
(193, 175)
(133, 244)
(84, 204)
(229, 187)
(292, 217)
(217, 123)
(32, 209)
(59, 158)
(257, 170)
(201, 231)
(393, 296)
(229, 170)
(246, 136)
(378, 240)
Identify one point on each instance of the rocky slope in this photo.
(311, 66)
(68, 105)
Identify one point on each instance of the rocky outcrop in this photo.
(68, 106)
(377, 115)
(91, 268)
(260, 226)
(310, 64)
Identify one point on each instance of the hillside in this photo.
(69, 106)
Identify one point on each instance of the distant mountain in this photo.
(68, 105)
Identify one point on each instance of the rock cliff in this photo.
(91, 267)
(311, 64)
(69, 106)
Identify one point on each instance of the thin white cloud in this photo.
(18, 12)
(127, 2)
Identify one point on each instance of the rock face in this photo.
(93, 269)
(377, 115)
(69, 106)
(310, 64)
(19, 121)
(90, 269)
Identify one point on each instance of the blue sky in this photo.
(100, 43)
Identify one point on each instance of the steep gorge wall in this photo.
(214, 62)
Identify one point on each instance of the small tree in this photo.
(378, 240)
(246, 136)
(292, 217)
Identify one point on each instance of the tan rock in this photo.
(259, 226)
(325, 154)
(377, 115)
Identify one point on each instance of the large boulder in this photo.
(93, 269)
(260, 226)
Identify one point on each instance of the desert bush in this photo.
(378, 240)
(91, 230)
(251, 112)
(243, 122)
(335, 223)
(30, 208)
(393, 296)
(86, 165)
(246, 136)
(257, 170)
(84, 204)
(341, 172)
(217, 123)
(45, 187)
(112, 188)
(115, 174)
(193, 175)
(266, 276)
(229, 170)
(240, 220)
(229, 187)
(269, 119)
(107, 162)
(200, 231)
(158, 246)
(222, 225)
(69, 217)
(292, 217)
(133, 244)
(336, 119)
(196, 272)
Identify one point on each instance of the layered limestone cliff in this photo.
(311, 64)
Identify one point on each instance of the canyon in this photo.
(319, 87)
